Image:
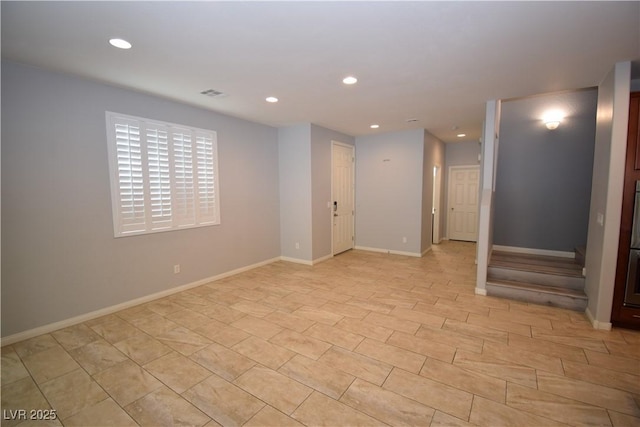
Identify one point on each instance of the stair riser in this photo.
(567, 282)
(542, 298)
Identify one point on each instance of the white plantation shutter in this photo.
(163, 176)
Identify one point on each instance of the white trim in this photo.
(45, 329)
(532, 251)
(605, 326)
(321, 259)
(389, 251)
(296, 260)
(481, 291)
(425, 251)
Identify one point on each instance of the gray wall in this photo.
(295, 191)
(59, 256)
(543, 181)
(321, 217)
(456, 154)
(389, 180)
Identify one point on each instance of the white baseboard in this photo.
(322, 259)
(45, 329)
(388, 251)
(296, 260)
(532, 251)
(606, 326)
(426, 251)
(481, 291)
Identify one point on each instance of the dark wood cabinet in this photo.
(625, 314)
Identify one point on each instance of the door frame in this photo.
(436, 204)
(449, 174)
(353, 201)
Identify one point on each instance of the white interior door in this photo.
(463, 203)
(342, 194)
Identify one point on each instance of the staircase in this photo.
(538, 279)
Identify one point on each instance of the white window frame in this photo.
(164, 176)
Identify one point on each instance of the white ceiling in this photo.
(438, 62)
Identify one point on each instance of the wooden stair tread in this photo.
(538, 288)
(536, 263)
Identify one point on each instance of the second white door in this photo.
(342, 190)
(463, 203)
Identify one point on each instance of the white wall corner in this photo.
(481, 291)
(605, 326)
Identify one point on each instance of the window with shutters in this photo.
(164, 176)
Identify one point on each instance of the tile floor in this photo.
(361, 339)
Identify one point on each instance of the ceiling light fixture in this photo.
(461, 135)
(120, 43)
(271, 99)
(552, 119)
(349, 80)
(374, 126)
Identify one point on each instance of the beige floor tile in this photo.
(462, 305)
(105, 413)
(602, 376)
(630, 336)
(511, 372)
(318, 315)
(386, 405)
(270, 355)
(623, 420)
(567, 338)
(374, 306)
(22, 394)
(393, 355)
(35, 345)
(317, 375)
(142, 348)
(320, 410)
(163, 407)
(331, 295)
(395, 300)
(475, 331)
(485, 301)
(498, 324)
(450, 338)
(392, 322)
(467, 380)
(486, 412)
(115, 330)
(164, 306)
(281, 304)
(593, 394)
(154, 324)
(562, 351)
(249, 294)
(226, 403)
(12, 368)
(188, 318)
(252, 308)
(356, 364)
(518, 317)
(256, 326)
(48, 364)
(177, 372)
(189, 300)
(72, 392)
(271, 387)
(135, 313)
(75, 336)
(97, 356)
(425, 319)
(221, 313)
(335, 335)
(422, 346)
(127, 382)
(184, 340)
(364, 328)
(558, 408)
(532, 359)
(301, 344)
(440, 419)
(344, 310)
(442, 311)
(616, 363)
(631, 351)
(270, 417)
(431, 393)
(289, 321)
(224, 362)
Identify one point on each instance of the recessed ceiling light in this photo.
(120, 43)
(374, 126)
(349, 80)
(461, 135)
(271, 99)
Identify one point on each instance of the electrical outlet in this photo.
(404, 240)
(297, 245)
(176, 269)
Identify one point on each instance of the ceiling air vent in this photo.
(213, 93)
